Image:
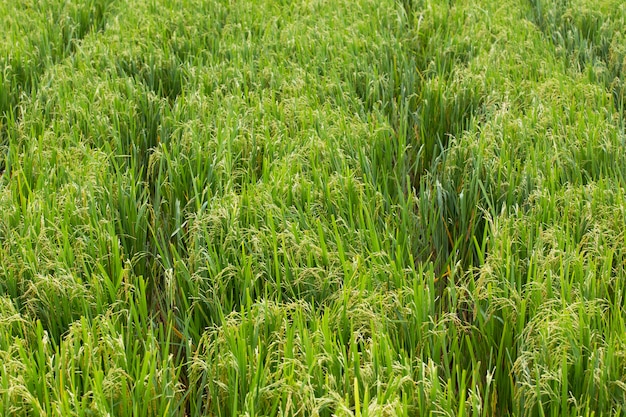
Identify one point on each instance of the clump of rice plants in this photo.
(349, 208)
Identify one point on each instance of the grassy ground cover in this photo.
(351, 208)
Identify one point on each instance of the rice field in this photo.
(312, 208)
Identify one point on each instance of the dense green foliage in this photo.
(314, 208)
